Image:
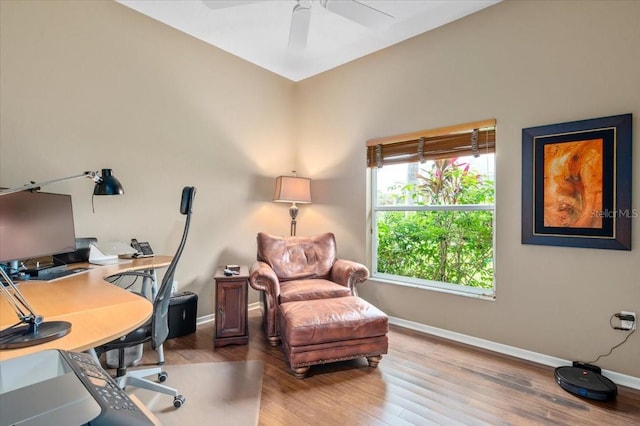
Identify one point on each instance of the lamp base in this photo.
(293, 212)
(23, 336)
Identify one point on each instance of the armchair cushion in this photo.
(317, 288)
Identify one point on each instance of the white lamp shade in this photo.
(291, 189)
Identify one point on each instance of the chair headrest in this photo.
(188, 193)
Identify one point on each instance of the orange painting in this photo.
(573, 184)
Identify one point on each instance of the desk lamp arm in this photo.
(91, 175)
(18, 302)
(35, 330)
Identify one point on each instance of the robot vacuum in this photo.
(586, 381)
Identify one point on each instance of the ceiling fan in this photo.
(353, 10)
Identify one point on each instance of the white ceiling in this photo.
(258, 31)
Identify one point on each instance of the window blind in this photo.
(473, 138)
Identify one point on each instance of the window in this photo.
(433, 207)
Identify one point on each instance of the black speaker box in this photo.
(183, 310)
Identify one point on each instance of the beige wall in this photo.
(93, 84)
(86, 85)
(525, 64)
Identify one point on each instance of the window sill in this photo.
(489, 296)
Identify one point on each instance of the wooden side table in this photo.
(231, 306)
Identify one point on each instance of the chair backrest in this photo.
(295, 258)
(160, 319)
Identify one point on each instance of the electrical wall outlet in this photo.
(628, 325)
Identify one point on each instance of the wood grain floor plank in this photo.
(424, 380)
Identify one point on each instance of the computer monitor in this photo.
(35, 224)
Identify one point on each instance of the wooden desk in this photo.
(97, 310)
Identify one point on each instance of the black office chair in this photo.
(156, 329)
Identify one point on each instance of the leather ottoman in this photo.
(328, 330)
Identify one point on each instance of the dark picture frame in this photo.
(576, 183)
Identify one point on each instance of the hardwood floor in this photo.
(423, 380)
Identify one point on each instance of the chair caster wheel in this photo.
(178, 401)
(162, 376)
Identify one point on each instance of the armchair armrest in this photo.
(263, 278)
(349, 273)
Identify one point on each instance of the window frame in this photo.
(458, 289)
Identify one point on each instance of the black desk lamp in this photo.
(107, 184)
(34, 330)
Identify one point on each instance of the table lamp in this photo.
(293, 189)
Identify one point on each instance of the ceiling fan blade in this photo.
(300, 19)
(358, 12)
(223, 4)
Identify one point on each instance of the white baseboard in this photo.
(618, 378)
(206, 319)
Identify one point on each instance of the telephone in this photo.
(143, 248)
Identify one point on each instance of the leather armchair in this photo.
(300, 268)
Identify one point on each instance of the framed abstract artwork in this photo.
(576, 184)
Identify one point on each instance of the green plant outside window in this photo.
(434, 221)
